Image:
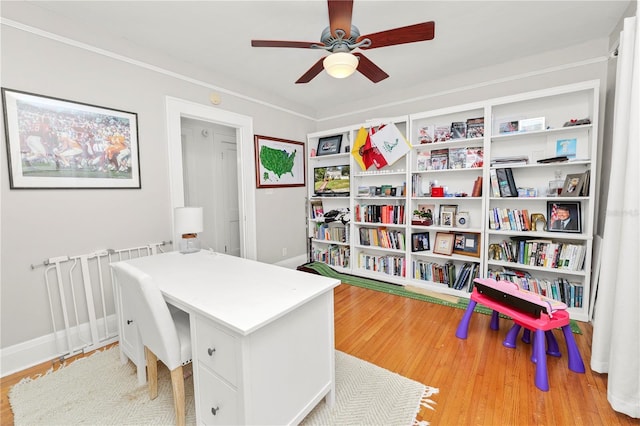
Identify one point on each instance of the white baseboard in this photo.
(293, 262)
(53, 346)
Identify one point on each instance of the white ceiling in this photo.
(215, 37)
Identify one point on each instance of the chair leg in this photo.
(463, 327)
(177, 382)
(510, 340)
(542, 377)
(152, 372)
(495, 318)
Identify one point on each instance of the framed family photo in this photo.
(279, 162)
(54, 143)
(420, 241)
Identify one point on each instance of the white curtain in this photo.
(616, 326)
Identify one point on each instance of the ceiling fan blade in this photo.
(369, 69)
(340, 12)
(312, 72)
(278, 43)
(409, 34)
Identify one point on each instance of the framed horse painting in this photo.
(56, 143)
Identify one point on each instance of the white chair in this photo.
(164, 333)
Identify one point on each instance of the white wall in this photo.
(38, 224)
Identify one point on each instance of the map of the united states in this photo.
(278, 161)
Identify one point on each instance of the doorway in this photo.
(236, 208)
(209, 163)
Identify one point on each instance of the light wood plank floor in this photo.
(481, 382)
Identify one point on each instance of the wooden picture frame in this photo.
(280, 163)
(467, 244)
(447, 219)
(443, 243)
(420, 242)
(451, 209)
(558, 212)
(329, 145)
(54, 143)
(572, 185)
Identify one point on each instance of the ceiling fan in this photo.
(340, 38)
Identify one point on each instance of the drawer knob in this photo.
(129, 322)
(214, 411)
(210, 351)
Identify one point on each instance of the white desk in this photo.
(262, 335)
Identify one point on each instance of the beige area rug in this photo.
(99, 390)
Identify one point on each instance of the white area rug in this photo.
(99, 390)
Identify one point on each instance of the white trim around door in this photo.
(177, 108)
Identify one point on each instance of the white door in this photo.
(210, 176)
(229, 210)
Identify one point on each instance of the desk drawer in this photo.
(217, 350)
(218, 401)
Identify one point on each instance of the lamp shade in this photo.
(340, 64)
(188, 220)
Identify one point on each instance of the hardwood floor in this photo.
(481, 382)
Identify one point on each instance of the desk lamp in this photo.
(188, 222)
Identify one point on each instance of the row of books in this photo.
(323, 231)
(544, 253)
(390, 265)
(447, 274)
(450, 158)
(380, 214)
(471, 128)
(333, 255)
(382, 237)
(509, 219)
(570, 293)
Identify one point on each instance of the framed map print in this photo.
(279, 162)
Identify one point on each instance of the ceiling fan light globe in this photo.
(340, 64)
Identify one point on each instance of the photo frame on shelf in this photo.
(564, 217)
(423, 215)
(573, 185)
(54, 143)
(443, 243)
(447, 208)
(420, 242)
(467, 244)
(446, 219)
(531, 124)
(279, 162)
(329, 145)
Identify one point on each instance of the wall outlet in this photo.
(284, 251)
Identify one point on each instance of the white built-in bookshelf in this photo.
(383, 238)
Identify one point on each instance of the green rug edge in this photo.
(398, 290)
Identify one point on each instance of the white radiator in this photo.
(80, 292)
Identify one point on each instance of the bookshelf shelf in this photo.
(413, 177)
(558, 130)
(339, 243)
(513, 265)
